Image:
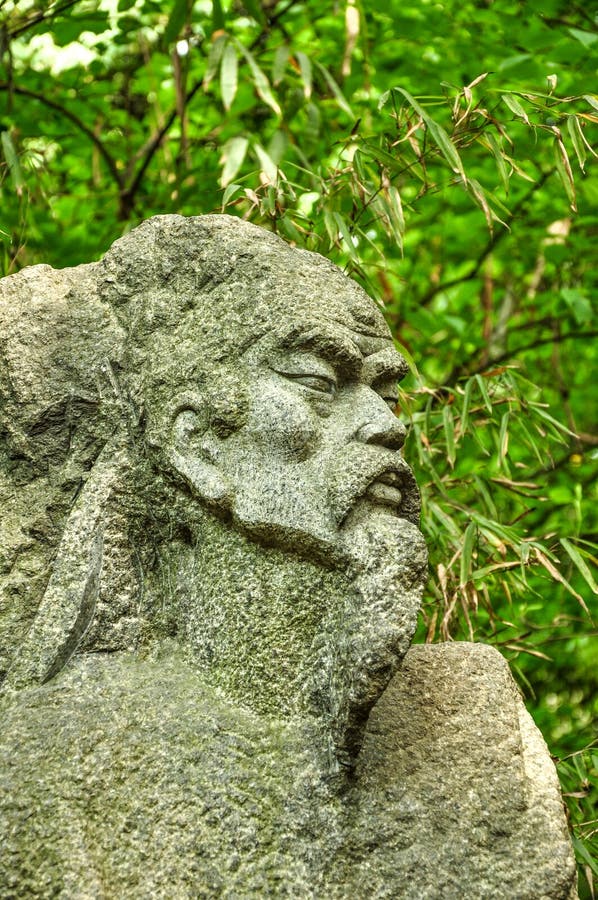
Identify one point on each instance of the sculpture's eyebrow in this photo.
(330, 344)
(385, 365)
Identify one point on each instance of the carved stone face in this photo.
(321, 436)
(319, 447)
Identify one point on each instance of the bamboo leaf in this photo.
(229, 192)
(548, 418)
(380, 156)
(267, 164)
(574, 129)
(484, 392)
(218, 21)
(581, 564)
(552, 570)
(449, 432)
(490, 141)
(345, 234)
(306, 73)
(468, 544)
(384, 100)
(281, 58)
(254, 8)
(438, 134)
(466, 405)
(582, 851)
(262, 85)
(214, 59)
(396, 216)
(409, 359)
(476, 190)
(229, 75)
(176, 21)
(564, 169)
(515, 107)
(503, 440)
(12, 161)
(335, 90)
(233, 155)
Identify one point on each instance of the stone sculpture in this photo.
(211, 571)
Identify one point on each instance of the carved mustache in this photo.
(377, 474)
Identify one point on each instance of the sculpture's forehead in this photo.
(314, 293)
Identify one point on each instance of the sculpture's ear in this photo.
(193, 448)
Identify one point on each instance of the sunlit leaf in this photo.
(490, 140)
(306, 73)
(581, 564)
(233, 154)
(214, 58)
(267, 165)
(449, 433)
(262, 85)
(281, 58)
(12, 161)
(575, 133)
(516, 108)
(503, 439)
(558, 576)
(228, 194)
(229, 75)
(564, 169)
(484, 392)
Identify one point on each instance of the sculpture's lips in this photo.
(387, 489)
(376, 475)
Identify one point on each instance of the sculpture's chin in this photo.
(376, 535)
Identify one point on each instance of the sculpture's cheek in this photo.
(282, 424)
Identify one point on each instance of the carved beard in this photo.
(367, 631)
(292, 638)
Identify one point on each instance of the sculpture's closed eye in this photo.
(320, 383)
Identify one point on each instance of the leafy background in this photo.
(443, 153)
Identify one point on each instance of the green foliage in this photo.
(444, 153)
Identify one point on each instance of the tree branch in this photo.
(127, 196)
(42, 17)
(571, 335)
(51, 104)
(462, 372)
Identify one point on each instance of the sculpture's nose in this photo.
(381, 425)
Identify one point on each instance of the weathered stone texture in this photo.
(210, 574)
(128, 778)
